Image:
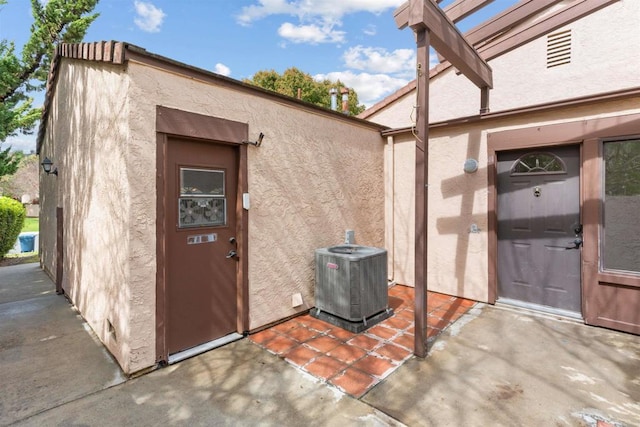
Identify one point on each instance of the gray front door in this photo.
(538, 223)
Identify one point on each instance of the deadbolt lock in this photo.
(536, 191)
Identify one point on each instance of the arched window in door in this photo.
(538, 163)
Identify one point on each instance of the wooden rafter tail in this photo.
(401, 16)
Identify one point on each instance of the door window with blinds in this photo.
(202, 201)
(621, 230)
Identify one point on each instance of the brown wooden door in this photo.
(538, 220)
(200, 229)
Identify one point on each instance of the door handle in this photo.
(577, 242)
(232, 254)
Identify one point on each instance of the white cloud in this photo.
(312, 34)
(370, 87)
(370, 30)
(326, 10)
(317, 18)
(222, 69)
(379, 60)
(149, 17)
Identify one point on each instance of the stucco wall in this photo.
(605, 47)
(312, 178)
(48, 194)
(457, 258)
(91, 147)
(399, 114)
(400, 221)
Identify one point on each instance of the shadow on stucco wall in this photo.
(90, 142)
(464, 188)
(308, 185)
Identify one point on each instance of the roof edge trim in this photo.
(570, 102)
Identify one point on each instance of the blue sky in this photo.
(355, 41)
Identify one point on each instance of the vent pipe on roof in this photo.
(334, 98)
(345, 100)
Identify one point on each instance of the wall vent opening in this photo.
(559, 48)
(111, 330)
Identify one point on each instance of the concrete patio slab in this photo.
(48, 356)
(493, 366)
(24, 281)
(502, 367)
(238, 384)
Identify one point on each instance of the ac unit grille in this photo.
(352, 286)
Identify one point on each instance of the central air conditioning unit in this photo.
(351, 286)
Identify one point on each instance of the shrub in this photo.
(12, 215)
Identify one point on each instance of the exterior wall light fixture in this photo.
(47, 166)
(470, 165)
(257, 143)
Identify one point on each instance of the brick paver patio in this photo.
(354, 363)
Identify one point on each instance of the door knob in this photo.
(232, 254)
(577, 242)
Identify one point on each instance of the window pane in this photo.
(201, 212)
(201, 181)
(538, 163)
(621, 228)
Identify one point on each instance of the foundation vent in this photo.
(559, 48)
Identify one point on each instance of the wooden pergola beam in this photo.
(570, 13)
(460, 9)
(445, 38)
(421, 196)
(509, 18)
(504, 21)
(432, 27)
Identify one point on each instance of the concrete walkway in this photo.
(53, 372)
(503, 367)
(494, 366)
(48, 356)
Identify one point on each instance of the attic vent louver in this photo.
(559, 48)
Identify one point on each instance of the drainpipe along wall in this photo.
(390, 202)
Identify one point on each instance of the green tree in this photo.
(9, 162)
(54, 21)
(313, 91)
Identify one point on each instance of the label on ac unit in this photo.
(332, 266)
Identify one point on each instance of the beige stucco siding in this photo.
(312, 178)
(88, 124)
(605, 46)
(457, 202)
(400, 113)
(400, 219)
(457, 258)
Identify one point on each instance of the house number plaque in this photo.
(201, 238)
